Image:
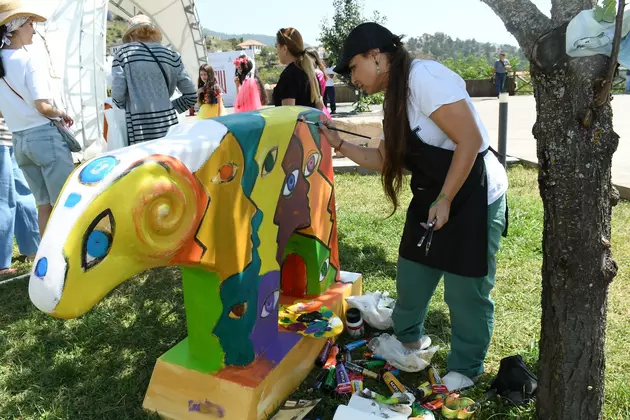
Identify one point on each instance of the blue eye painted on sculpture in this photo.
(271, 302)
(290, 183)
(97, 170)
(98, 240)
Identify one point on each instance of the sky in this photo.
(457, 18)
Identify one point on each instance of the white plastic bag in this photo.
(116, 128)
(388, 347)
(376, 309)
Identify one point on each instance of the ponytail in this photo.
(3, 30)
(307, 64)
(396, 121)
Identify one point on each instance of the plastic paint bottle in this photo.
(354, 323)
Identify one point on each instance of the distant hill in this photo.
(269, 41)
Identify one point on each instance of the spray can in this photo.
(354, 323)
(358, 369)
(423, 391)
(355, 344)
(323, 355)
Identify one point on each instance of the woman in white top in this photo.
(25, 104)
(432, 129)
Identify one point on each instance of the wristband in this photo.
(338, 148)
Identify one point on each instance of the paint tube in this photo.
(332, 357)
(392, 369)
(375, 364)
(369, 355)
(355, 345)
(343, 381)
(423, 391)
(323, 355)
(393, 383)
(356, 368)
(329, 383)
(357, 386)
(434, 377)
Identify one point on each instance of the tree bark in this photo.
(575, 185)
(575, 145)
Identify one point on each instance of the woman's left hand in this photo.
(439, 212)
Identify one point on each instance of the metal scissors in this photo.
(428, 237)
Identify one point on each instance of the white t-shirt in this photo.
(432, 85)
(330, 81)
(28, 78)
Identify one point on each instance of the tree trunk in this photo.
(575, 142)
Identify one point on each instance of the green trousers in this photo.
(470, 306)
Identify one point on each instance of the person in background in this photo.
(26, 105)
(298, 84)
(458, 211)
(18, 212)
(320, 73)
(250, 92)
(501, 69)
(210, 96)
(329, 93)
(145, 75)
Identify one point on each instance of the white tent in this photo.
(73, 40)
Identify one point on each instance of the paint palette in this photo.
(321, 323)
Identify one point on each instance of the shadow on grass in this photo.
(96, 366)
(367, 259)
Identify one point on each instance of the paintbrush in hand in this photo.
(335, 129)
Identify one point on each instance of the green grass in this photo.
(99, 366)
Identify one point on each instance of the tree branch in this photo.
(604, 93)
(523, 20)
(563, 10)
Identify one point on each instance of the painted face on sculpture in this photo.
(292, 211)
(126, 220)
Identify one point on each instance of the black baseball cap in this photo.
(363, 38)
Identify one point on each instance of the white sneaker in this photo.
(455, 381)
(422, 344)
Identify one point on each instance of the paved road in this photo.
(521, 142)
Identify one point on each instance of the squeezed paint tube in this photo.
(356, 368)
(323, 355)
(434, 377)
(343, 381)
(396, 400)
(437, 403)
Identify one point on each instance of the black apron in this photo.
(461, 246)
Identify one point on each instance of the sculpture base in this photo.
(240, 393)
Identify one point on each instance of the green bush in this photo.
(364, 102)
(270, 75)
(470, 67)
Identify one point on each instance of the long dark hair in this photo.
(3, 30)
(245, 70)
(292, 38)
(208, 95)
(396, 122)
(200, 82)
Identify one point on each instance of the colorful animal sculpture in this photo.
(243, 203)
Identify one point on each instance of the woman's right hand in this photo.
(332, 136)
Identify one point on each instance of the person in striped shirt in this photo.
(145, 75)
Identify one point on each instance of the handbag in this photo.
(64, 130)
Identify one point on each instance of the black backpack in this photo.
(514, 381)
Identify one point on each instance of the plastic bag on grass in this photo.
(397, 355)
(376, 309)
